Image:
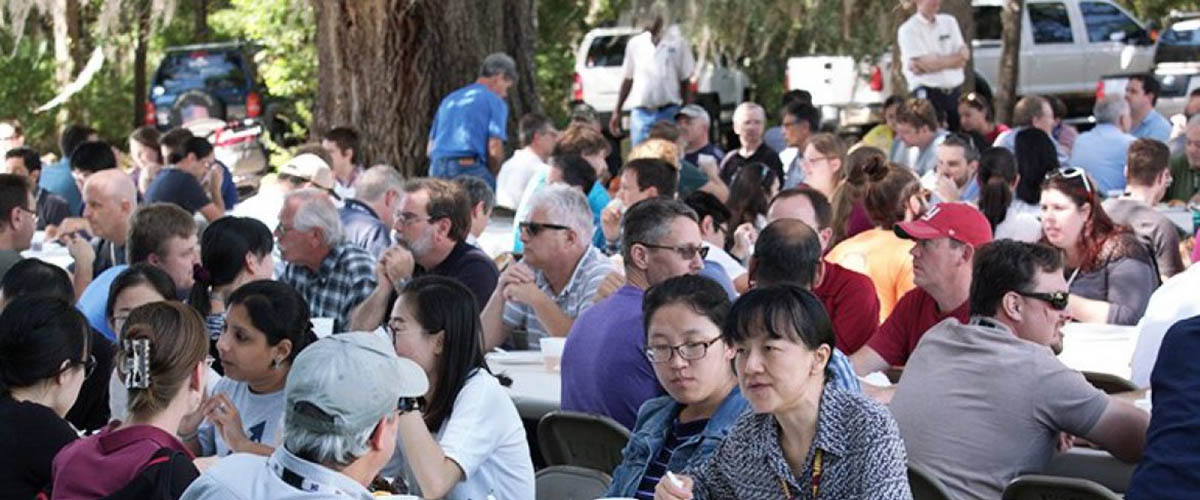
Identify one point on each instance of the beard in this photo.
(422, 245)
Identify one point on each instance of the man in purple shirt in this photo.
(604, 368)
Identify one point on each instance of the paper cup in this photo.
(552, 349)
(323, 327)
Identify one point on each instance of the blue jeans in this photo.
(641, 119)
(449, 168)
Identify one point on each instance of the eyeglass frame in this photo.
(30, 211)
(1057, 300)
(89, 365)
(680, 251)
(678, 349)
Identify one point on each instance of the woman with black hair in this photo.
(750, 194)
(802, 439)
(1037, 157)
(267, 325)
(997, 178)
(44, 358)
(233, 251)
(468, 442)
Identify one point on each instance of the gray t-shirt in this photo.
(1153, 228)
(979, 406)
(262, 418)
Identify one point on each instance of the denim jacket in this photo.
(654, 420)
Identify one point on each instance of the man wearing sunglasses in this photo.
(983, 401)
(604, 370)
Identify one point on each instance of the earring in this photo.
(275, 364)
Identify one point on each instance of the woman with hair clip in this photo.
(233, 251)
(44, 358)
(266, 326)
(136, 286)
(997, 178)
(893, 195)
(161, 360)
(468, 441)
(849, 213)
(1111, 273)
(750, 194)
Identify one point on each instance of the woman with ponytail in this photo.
(849, 212)
(44, 358)
(266, 326)
(233, 251)
(893, 195)
(161, 361)
(997, 180)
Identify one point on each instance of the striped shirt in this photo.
(578, 295)
(679, 433)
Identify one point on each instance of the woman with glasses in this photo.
(802, 439)
(977, 117)
(683, 318)
(161, 361)
(1111, 274)
(823, 163)
(266, 327)
(893, 195)
(467, 442)
(136, 286)
(44, 359)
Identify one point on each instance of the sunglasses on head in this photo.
(1057, 300)
(533, 228)
(1071, 173)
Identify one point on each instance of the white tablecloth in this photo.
(1098, 347)
(535, 390)
(50, 252)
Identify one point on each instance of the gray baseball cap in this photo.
(693, 111)
(344, 383)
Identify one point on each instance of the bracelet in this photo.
(191, 436)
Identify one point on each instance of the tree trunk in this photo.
(142, 18)
(965, 15)
(384, 65)
(65, 16)
(1006, 91)
(200, 22)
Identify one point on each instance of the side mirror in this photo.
(1117, 36)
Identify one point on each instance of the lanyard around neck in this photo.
(814, 478)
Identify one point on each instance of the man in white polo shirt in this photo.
(933, 55)
(658, 64)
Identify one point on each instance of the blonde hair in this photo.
(178, 341)
(830, 146)
(656, 149)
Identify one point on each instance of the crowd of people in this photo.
(327, 336)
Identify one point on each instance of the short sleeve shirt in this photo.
(345, 279)
(577, 296)
(853, 306)
(734, 161)
(1153, 126)
(882, 256)
(1167, 468)
(471, 267)
(914, 315)
(918, 37)
(1186, 180)
(181, 188)
(464, 122)
(1152, 227)
(657, 70)
(261, 414)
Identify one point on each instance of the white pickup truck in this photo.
(1066, 46)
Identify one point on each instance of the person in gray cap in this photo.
(337, 439)
(696, 128)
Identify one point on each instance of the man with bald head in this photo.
(109, 200)
(1185, 168)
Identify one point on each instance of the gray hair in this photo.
(1110, 108)
(316, 210)
(376, 181)
(649, 221)
(1193, 121)
(567, 203)
(747, 107)
(335, 449)
(477, 190)
(499, 63)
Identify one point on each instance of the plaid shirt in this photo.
(577, 296)
(863, 456)
(345, 279)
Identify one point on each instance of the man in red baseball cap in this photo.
(947, 237)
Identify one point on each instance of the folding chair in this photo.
(565, 482)
(1109, 383)
(1035, 487)
(582, 440)
(925, 485)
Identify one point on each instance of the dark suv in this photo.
(215, 80)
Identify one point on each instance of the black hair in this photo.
(806, 113)
(653, 172)
(196, 146)
(795, 95)
(38, 333)
(1004, 266)
(35, 277)
(223, 249)
(785, 312)
(277, 310)
(708, 205)
(1036, 157)
(1150, 85)
(442, 304)
(93, 156)
(72, 137)
(14, 194)
(702, 295)
(33, 162)
(787, 251)
(958, 139)
(997, 171)
(576, 171)
(893, 100)
(173, 141)
(748, 196)
(140, 274)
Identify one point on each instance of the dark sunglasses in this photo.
(1057, 300)
(533, 228)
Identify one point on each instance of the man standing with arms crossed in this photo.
(933, 55)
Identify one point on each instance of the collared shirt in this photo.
(1101, 152)
(345, 279)
(657, 70)
(1185, 179)
(464, 122)
(347, 191)
(468, 265)
(919, 37)
(578, 294)
(1153, 126)
(243, 476)
(862, 456)
(515, 174)
(363, 227)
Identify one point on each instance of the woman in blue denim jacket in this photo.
(683, 319)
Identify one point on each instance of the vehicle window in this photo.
(607, 51)
(201, 69)
(1183, 33)
(1103, 20)
(987, 23)
(1050, 22)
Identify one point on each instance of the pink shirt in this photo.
(107, 461)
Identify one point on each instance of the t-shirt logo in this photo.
(256, 432)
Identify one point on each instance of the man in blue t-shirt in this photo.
(57, 177)
(469, 129)
(192, 181)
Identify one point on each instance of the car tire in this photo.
(181, 109)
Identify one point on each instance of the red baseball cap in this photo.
(957, 221)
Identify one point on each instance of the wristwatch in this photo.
(409, 404)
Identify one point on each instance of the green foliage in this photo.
(21, 91)
(560, 26)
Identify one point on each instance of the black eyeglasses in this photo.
(533, 228)
(1071, 173)
(687, 253)
(89, 365)
(1057, 300)
(690, 351)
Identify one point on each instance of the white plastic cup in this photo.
(552, 349)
